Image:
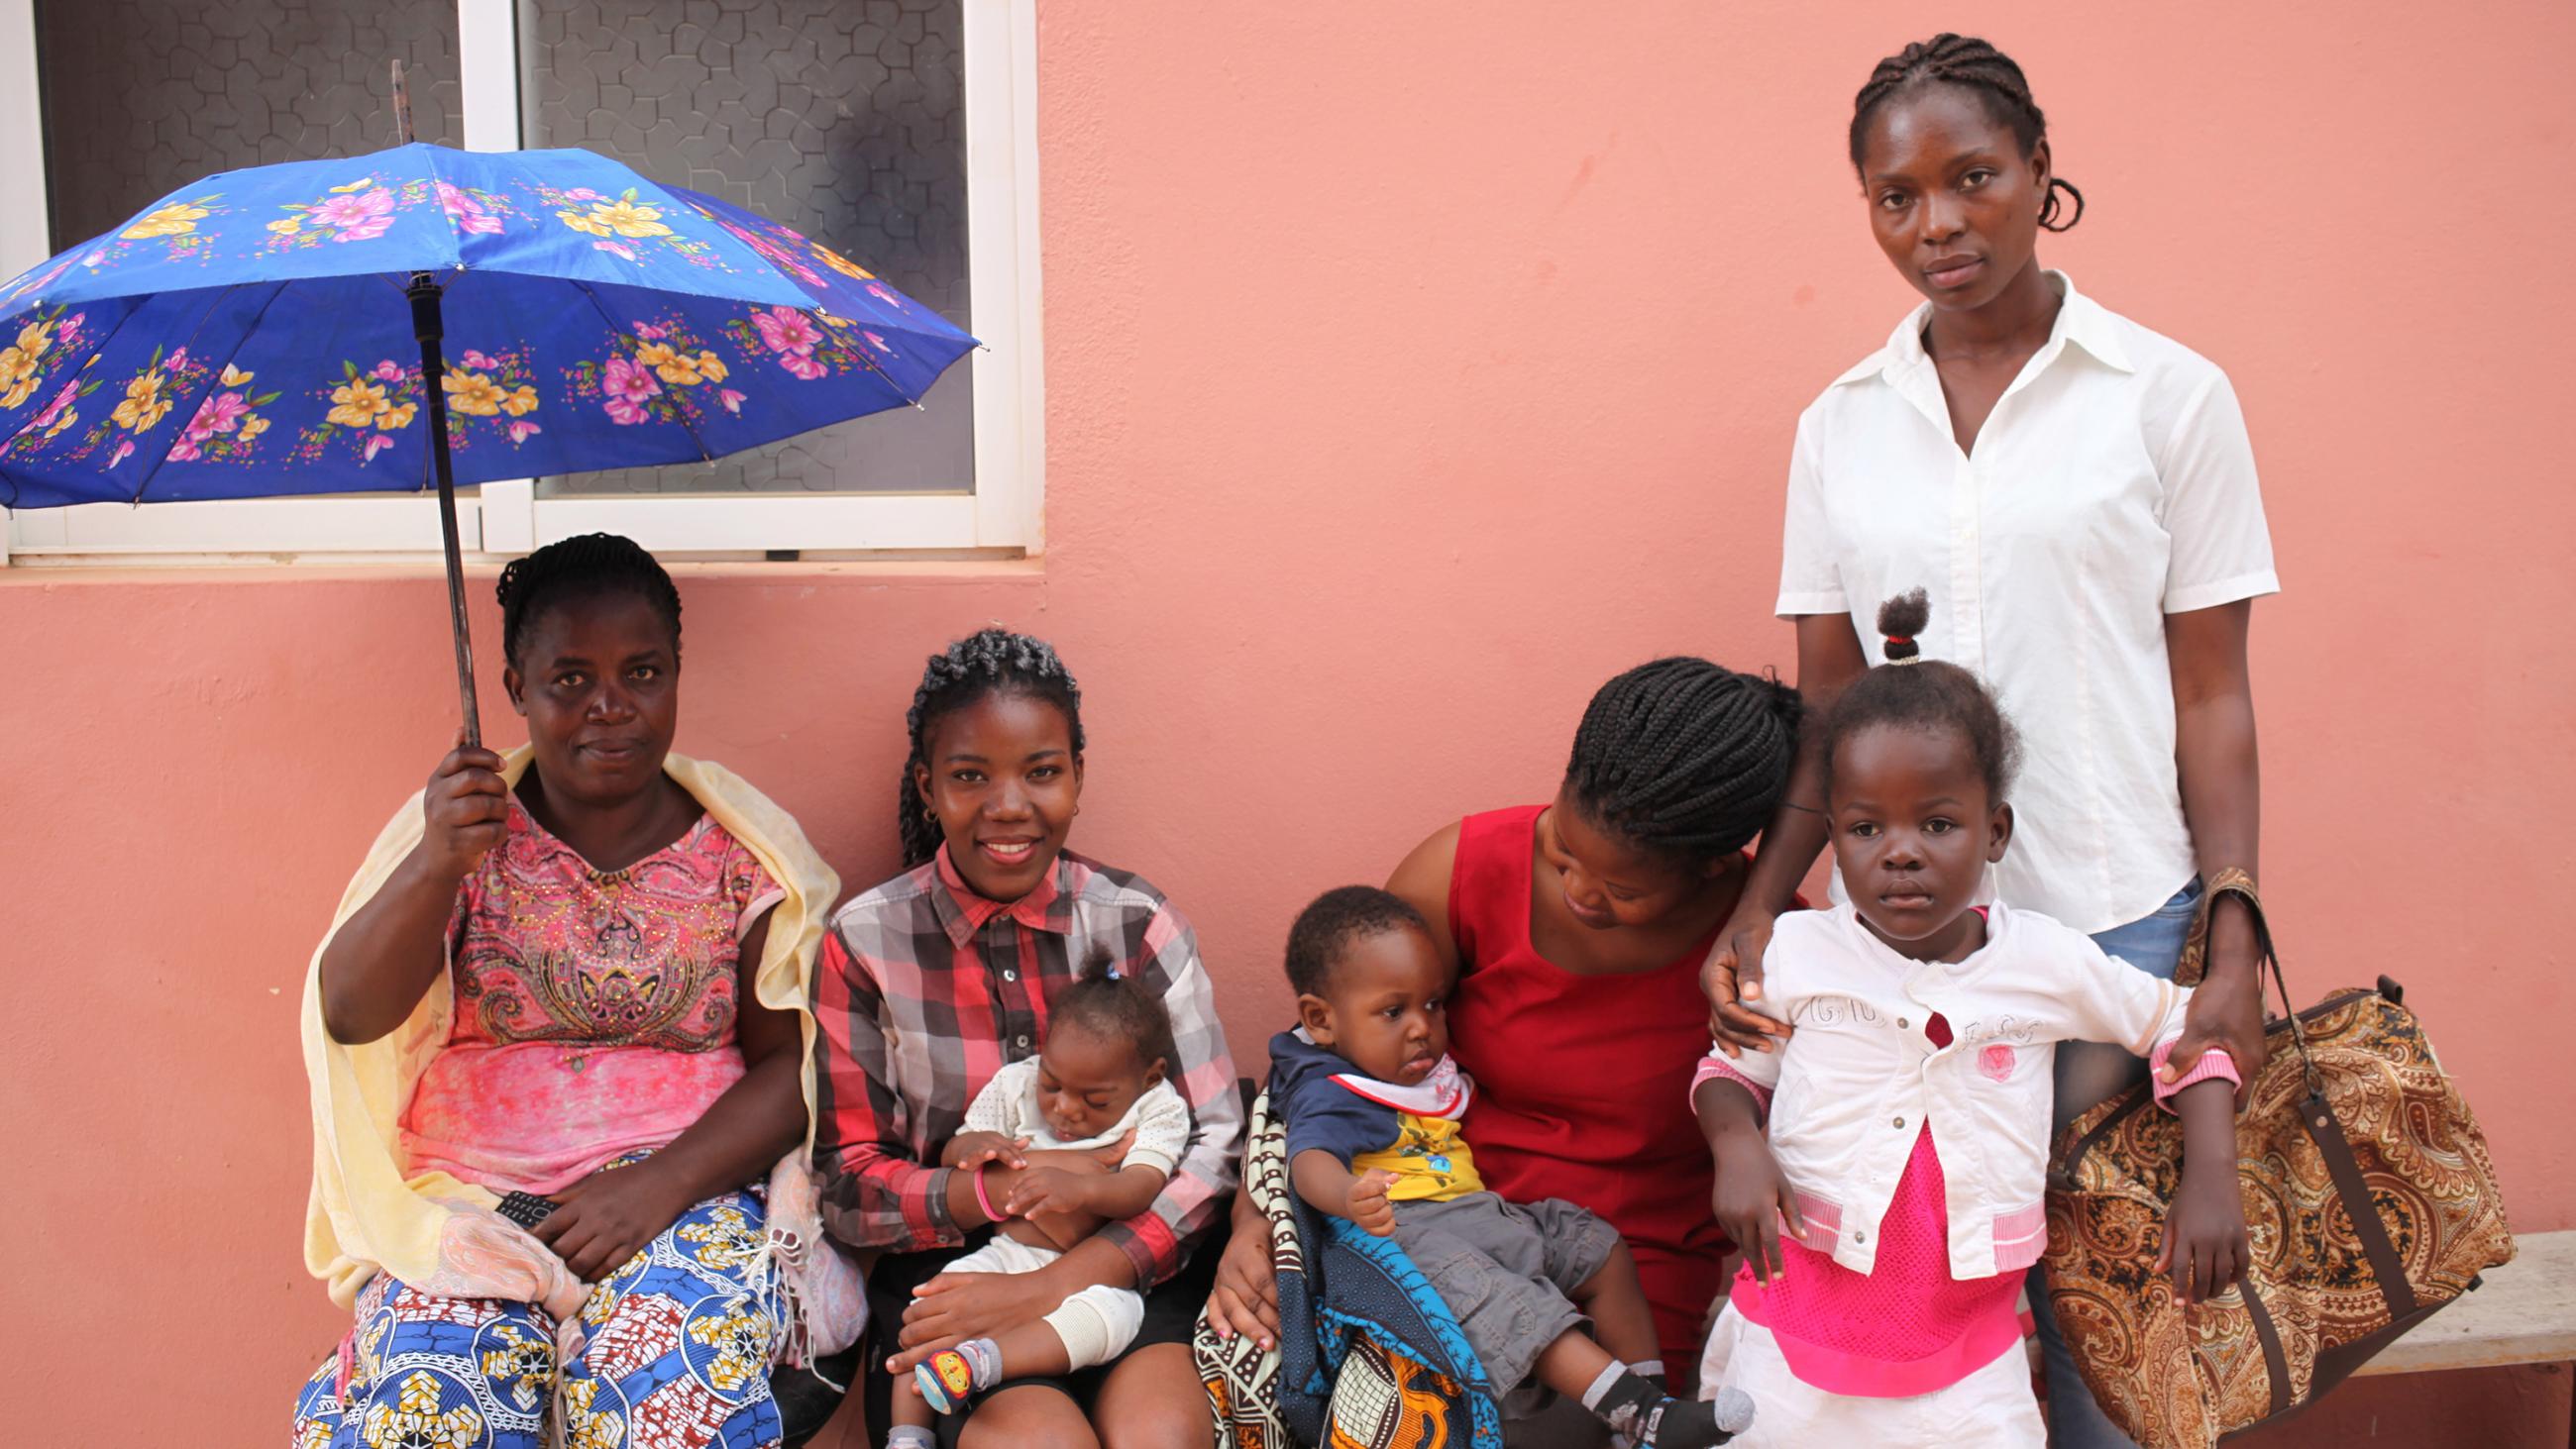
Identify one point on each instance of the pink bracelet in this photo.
(991, 1213)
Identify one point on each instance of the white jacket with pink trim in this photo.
(1859, 1077)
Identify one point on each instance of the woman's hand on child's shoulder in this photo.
(1732, 976)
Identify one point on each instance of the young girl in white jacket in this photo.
(1888, 1220)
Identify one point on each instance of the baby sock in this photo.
(1638, 1408)
(910, 1436)
(1652, 1371)
(1620, 1396)
(951, 1376)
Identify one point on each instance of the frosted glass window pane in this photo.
(842, 118)
(142, 97)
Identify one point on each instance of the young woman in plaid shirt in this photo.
(932, 982)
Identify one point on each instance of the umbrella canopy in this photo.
(255, 333)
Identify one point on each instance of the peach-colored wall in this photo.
(1412, 368)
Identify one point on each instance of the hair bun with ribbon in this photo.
(1900, 620)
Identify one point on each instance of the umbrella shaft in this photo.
(430, 328)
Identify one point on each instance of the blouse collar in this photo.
(964, 913)
(2080, 321)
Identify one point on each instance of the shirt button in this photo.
(1010, 975)
(1859, 1237)
(1900, 1122)
(1022, 1042)
(1901, 1023)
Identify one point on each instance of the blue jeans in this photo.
(2087, 1073)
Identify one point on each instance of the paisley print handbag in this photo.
(2367, 1189)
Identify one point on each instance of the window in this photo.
(902, 132)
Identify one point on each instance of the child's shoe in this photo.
(946, 1381)
(951, 1377)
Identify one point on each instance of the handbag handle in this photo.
(2317, 1116)
(2236, 881)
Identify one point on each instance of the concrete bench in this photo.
(2523, 1312)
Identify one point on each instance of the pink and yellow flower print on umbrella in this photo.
(593, 319)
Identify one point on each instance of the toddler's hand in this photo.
(1369, 1205)
(1753, 1203)
(2206, 1247)
(1047, 1190)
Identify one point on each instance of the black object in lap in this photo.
(525, 1209)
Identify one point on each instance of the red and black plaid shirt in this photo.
(926, 989)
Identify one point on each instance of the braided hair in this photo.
(1684, 758)
(1988, 73)
(1931, 695)
(582, 567)
(992, 661)
(1333, 923)
(1115, 1006)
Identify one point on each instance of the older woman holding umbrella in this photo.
(587, 961)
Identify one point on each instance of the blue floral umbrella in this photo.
(424, 316)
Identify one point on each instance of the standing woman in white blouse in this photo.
(2078, 495)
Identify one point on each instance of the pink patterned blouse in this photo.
(594, 1009)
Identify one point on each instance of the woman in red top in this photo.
(1579, 927)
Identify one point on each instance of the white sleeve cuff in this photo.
(2224, 591)
(1812, 601)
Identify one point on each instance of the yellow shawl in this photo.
(440, 1234)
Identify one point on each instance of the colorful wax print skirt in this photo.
(675, 1355)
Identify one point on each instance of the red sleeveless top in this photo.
(1583, 1082)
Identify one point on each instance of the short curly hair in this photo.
(1338, 919)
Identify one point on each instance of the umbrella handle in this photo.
(430, 327)
(402, 105)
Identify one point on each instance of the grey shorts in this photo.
(1507, 1270)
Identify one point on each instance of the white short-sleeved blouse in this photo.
(2112, 485)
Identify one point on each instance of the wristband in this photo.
(991, 1213)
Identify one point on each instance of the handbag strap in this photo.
(2276, 1364)
(2316, 1117)
(2335, 1146)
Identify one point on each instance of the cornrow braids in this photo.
(1964, 60)
(1335, 921)
(1115, 1007)
(1931, 695)
(581, 567)
(992, 661)
(1684, 758)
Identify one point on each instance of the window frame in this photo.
(1001, 516)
